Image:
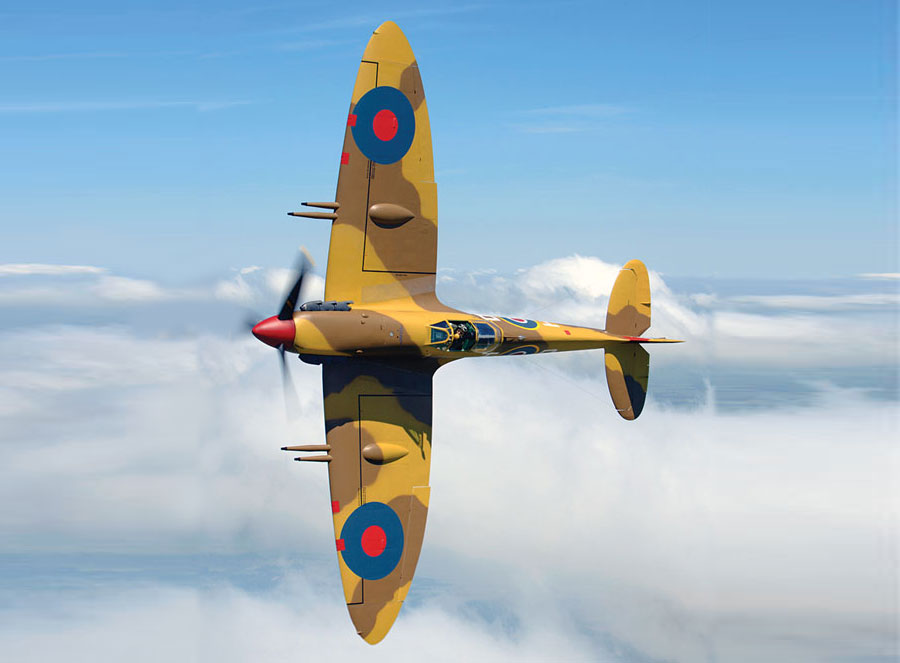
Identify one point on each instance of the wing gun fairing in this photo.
(319, 215)
(381, 333)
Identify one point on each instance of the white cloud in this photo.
(686, 535)
(687, 513)
(884, 276)
(38, 269)
(95, 286)
(121, 288)
(716, 328)
(280, 279)
(294, 622)
(822, 302)
(255, 285)
(236, 289)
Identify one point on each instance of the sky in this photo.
(171, 137)
(745, 151)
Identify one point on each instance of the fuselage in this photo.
(439, 334)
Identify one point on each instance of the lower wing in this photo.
(378, 427)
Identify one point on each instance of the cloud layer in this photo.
(556, 531)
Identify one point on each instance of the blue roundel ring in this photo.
(362, 564)
(522, 322)
(372, 102)
(521, 350)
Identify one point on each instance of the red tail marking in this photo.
(335, 506)
(339, 544)
(351, 120)
(345, 157)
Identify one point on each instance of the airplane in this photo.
(381, 333)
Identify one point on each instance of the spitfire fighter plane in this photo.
(381, 334)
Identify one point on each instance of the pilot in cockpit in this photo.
(456, 335)
(462, 336)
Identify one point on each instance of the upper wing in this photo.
(378, 425)
(384, 239)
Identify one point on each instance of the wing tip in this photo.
(388, 26)
(373, 622)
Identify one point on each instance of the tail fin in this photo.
(628, 365)
(629, 302)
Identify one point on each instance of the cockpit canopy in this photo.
(463, 336)
(319, 305)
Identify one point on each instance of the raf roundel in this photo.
(522, 350)
(385, 124)
(373, 541)
(522, 322)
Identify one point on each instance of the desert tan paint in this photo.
(379, 357)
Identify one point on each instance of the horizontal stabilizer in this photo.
(627, 376)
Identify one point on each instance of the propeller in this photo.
(304, 263)
(291, 400)
(279, 331)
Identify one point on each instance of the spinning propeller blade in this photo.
(290, 302)
(291, 400)
(279, 331)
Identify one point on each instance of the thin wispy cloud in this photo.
(549, 129)
(885, 276)
(822, 302)
(374, 20)
(574, 118)
(101, 55)
(580, 110)
(42, 269)
(97, 287)
(312, 44)
(110, 106)
(60, 56)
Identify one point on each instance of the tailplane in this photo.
(628, 364)
(627, 375)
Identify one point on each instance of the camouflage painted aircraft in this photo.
(381, 333)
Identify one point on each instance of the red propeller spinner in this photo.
(279, 330)
(275, 332)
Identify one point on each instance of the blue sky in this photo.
(726, 139)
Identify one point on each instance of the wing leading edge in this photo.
(378, 425)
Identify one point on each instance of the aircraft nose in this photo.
(275, 332)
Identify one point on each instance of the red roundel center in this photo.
(374, 541)
(384, 124)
